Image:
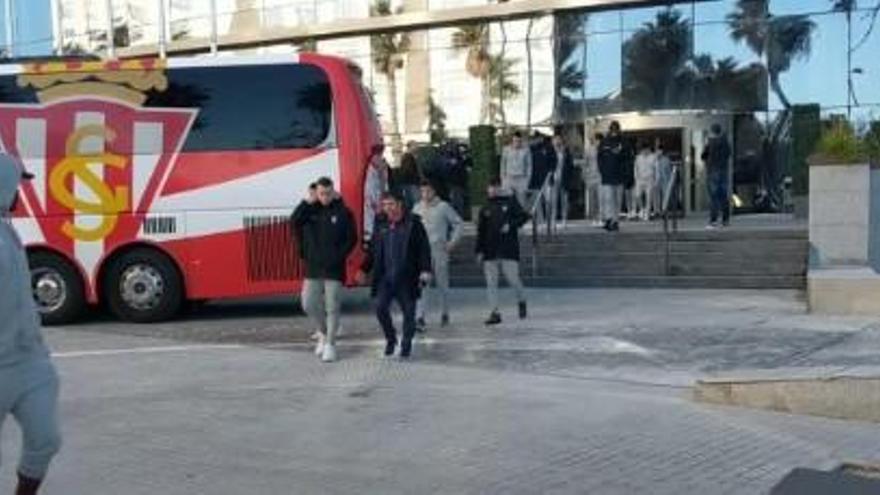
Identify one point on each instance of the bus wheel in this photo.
(57, 288)
(143, 286)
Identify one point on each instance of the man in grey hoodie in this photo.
(443, 226)
(28, 380)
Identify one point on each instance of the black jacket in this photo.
(326, 236)
(417, 253)
(716, 154)
(543, 162)
(498, 228)
(569, 180)
(613, 155)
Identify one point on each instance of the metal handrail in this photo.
(543, 193)
(670, 194)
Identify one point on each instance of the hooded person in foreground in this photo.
(28, 380)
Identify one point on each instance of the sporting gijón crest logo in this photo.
(99, 157)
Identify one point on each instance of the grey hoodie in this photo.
(441, 222)
(20, 338)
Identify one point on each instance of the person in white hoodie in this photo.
(516, 167)
(444, 228)
(28, 380)
(646, 179)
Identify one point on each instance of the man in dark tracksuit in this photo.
(400, 261)
(497, 247)
(716, 156)
(612, 157)
(325, 229)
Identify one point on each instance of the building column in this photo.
(418, 77)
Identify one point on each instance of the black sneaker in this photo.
(614, 227)
(444, 320)
(523, 311)
(405, 349)
(420, 325)
(389, 348)
(494, 318)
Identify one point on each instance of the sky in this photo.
(820, 78)
(33, 24)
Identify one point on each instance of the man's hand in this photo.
(450, 247)
(360, 278)
(479, 258)
(425, 278)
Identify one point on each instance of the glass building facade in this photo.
(667, 70)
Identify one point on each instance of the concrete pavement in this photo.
(587, 396)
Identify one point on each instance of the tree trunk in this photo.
(485, 98)
(777, 88)
(396, 142)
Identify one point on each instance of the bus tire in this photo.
(57, 288)
(143, 286)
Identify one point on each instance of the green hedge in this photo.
(485, 158)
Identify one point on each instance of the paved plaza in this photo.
(589, 395)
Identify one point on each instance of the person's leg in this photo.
(714, 206)
(384, 296)
(333, 305)
(441, 282)
(511, 274)
(313, 304)
(564, 207)
(407, 304)
(724, 201)
(37, 414)
(605, 202)
(490, 269)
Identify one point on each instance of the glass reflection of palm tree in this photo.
(181, 95)
(501, 72)
(473, 39)
(782, 39)
(389, 51)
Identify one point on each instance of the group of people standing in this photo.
(406, 250)
(543, 170)
(634, 184)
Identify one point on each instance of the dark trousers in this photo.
(387, 294)
(718, 196)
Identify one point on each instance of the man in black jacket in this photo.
(716, 156)
(400, 261)
(498, 247)
(325, 229)
(612, 157)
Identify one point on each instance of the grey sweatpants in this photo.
(29, 393)
(612, 197)
(440, 265)
(321, 301)
(510, 268)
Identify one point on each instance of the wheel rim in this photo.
(49, 289)
(142, 287)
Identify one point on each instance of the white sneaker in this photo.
(319, 347)
(329, 354)
(711, 226)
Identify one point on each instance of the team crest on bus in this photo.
(96, 151)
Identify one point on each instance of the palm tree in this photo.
(501, 71)
(474, 40)
(782, 39)
(389, 54)
(568, 36)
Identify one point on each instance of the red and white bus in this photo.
(162, 181)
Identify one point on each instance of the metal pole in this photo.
(58, 21)
(10, 29)
(163, 40)
(111, 41)
(849, 74)
(214, 27)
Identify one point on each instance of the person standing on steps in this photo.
(716, 156)
(612, 158)
(28, 380)
(325, 228)
(399, 259)
(497, 247)
(516, 167)
(444, 229)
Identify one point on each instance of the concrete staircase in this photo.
(755, 259)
